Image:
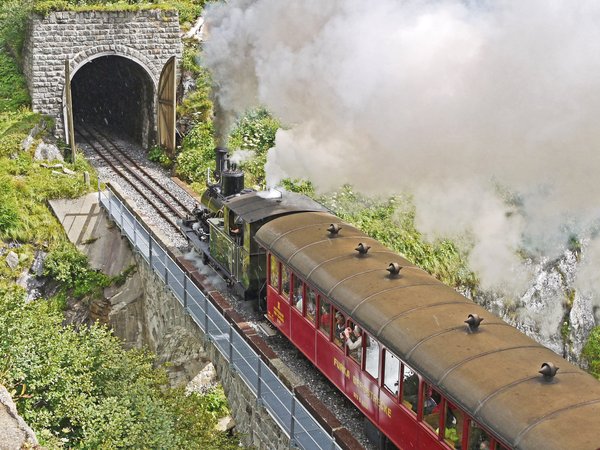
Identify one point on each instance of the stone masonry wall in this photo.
(166, 324)
(147, 37)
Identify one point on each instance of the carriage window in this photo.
(453, 426)
(274, 273)
(391, 376)
(285, 281)
(353, 340)
(410, 388)
(311, 304)
(478, 437)
(431, 411)
(298, 293)
(325, 317)
(339, 327)
(371, 356)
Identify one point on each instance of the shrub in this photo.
(255, 132)
(80, 389)
(69, 266)
(158, 155)
(196, 154)
(591, 352)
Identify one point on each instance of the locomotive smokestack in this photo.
(220, 161)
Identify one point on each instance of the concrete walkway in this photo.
(88, 227)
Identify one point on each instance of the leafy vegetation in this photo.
(80, 389)
(158, 155)
(255, 132)
(391, 222)
(77, 388)
(591, 352)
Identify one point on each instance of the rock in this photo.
(28, 141)
(14, 432)
(581, 318)
(204, 381)
(12, 260)
(48, 152)
(68, 171)
(197, 31)
(26, 144)
(37, 267)
(226, 424)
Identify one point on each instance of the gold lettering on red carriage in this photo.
(277, 315)
(341, 367)
(364, 395)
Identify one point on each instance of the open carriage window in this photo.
(311, 304)
(298, 293)
(353, 340)
(479, 438)
(410, 388)
(431, 403)
(339, 327)
(453, 425)
(325, 317)
(274, 272)
(285, 281)
(391, 375)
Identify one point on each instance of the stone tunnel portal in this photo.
(117, 93)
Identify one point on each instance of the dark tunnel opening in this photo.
(116, 93)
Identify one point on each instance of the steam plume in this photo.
(451, 100)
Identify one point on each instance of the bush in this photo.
(591, 352)
(70, 267)
(255, 132)
(158, 155)
(80, 389)
(197, 154)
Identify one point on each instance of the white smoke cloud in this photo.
(447, 99)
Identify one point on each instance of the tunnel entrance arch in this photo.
(116, 92)
(147, 38)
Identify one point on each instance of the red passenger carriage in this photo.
(421, 376)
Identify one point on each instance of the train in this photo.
(428, 368)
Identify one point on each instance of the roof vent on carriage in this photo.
(473, 320)
(394, 269)
(334, 229)
(548, 370)
(362, 249)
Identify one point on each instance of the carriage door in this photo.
(166, 107)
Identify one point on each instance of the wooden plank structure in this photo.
(70, 128)
(166, 107)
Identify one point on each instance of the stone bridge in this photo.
(115, 60)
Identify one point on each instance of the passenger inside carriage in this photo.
(340, 326)
(353, 341)
(325, 318)
(311, 304)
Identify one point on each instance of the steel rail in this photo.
(97, 132)
(124, 174)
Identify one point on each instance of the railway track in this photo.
(161, 200)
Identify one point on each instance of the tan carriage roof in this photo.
(491, 373)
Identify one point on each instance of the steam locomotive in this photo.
(428, 368)
(223, 226)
